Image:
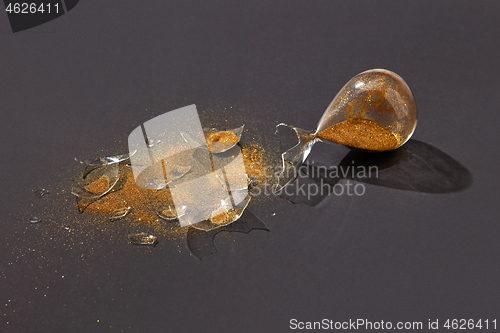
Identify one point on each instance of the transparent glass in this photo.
(375, 100)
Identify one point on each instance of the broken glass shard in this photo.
(180, 132)
(191, 140)
(103, 181)
(222, 141)
(227, 213)
(120, 213)
(85, 194)
(41, 192)
(294, 157)
(67, 228)
(218, 141)
(104, 161)
(170, 214)
(143, 238)
(157, 184)
(167, 215)
(178, 172)
(35, 219)
(107, 160)
(97, 184)
(185, 167)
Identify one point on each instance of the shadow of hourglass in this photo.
(417, 166)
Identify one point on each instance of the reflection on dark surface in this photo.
(201, 243)
(417, 166)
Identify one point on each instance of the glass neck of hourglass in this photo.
(293, 158)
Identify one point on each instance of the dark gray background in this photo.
(77, 85)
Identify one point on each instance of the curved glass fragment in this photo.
(104, 161)
(225, 215)
(120, 213)
(171, 214)
(103, 182)
(222, 141)
(143, 238)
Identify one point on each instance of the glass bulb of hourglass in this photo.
(375, 111)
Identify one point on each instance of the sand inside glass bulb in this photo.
(375, 111)
(361, 133)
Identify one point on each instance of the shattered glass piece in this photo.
(157, 184)
(35, 219)
(226, 194)
(168, 173)
(294, 157)
(67, 228)
(201, 208)
(226, 203)
(185, 167)
(167, 215)
(105, 161)
(178, 172)
(84, 162)
(120, 213)
(99, 186)
(106, 176)
(85, 199)
(179, 130)
(170, 214)
(201, 243)
(222, 141)
(193, 142)
(41, 192)
(227, 214)
(233, 179)
(83, 193)
(143, 238)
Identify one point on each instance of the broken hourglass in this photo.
(375, 111)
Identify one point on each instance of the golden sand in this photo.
(361, 133)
